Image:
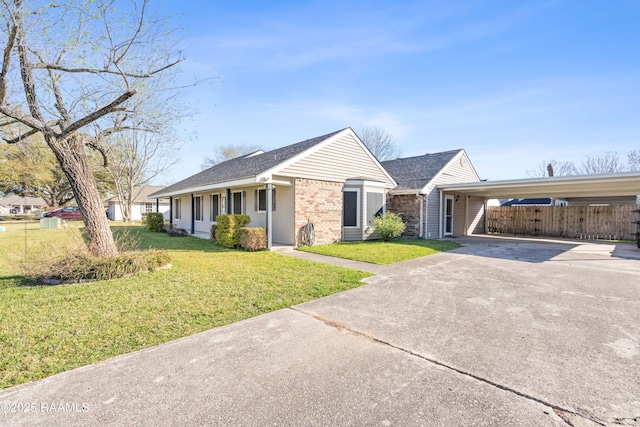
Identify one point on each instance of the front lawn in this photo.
(49, 329)
(379, 252)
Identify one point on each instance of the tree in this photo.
(608, 162)
(135, 159)
(633, 160)
(380, 142)
(222, 153)
(31, 169)
(558, 168)
(69, 67)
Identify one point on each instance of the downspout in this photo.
(171, 211)
(269, 215)
(193, 214)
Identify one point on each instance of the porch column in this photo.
(484, 213)
(171, 211)
(193, 214)
(466, 215)
(157, 205)
(440, 219)
(228, 201)
(269, 215)
(421, 235)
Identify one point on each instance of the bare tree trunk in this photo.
(75, 165)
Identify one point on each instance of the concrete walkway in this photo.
(498, 332)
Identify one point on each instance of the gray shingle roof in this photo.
(244, 167)
(413, 173)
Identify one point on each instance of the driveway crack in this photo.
(565, 414)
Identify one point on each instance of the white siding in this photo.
(455, 172)
(338, 161)
(185, 213)
(283, 218)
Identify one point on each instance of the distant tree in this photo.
(31, 169)
(222, 153)
(559, 169)
(135, 159)
(379, 141)
(608, 162)
(633, 160)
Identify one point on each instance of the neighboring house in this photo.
(428, 212)
(541, 201)
(23, 204)
(332, 181)
(603, 201)
(141, 204)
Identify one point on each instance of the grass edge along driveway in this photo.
(380, 252)
(50, 329)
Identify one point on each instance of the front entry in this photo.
(448, 215)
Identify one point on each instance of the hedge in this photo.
(227, 232)
(253, 239)
(154, 221)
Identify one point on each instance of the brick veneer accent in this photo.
(319, 202)
(408, 206)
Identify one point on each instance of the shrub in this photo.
(154, 221)
(253, 239)
(389, 225)
(77, 267)
(228, 229)
(213, 232)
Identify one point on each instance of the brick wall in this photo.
(408, 206)
(319, 202)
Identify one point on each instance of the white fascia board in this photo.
(205, 188)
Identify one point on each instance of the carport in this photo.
(605, 187)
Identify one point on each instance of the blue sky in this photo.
(514, 83)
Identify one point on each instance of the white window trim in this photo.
(384, 202)
(358, 207)
(196, 210)
(177, 208)
(256, 202)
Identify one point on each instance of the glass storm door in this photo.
(448, 215)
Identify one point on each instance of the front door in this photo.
(448, 215)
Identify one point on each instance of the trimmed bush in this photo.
(78, 267)
(389, 225)
(253, 239)
(227, 233)
(154, 221)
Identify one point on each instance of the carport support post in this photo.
(440, 219)
(269, 214)
(466, 214)
(170, 211)
(421, 235)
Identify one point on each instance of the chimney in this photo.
(550, 169)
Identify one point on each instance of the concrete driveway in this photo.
(500, 332)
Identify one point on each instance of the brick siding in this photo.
(319, 202)
(408, 206)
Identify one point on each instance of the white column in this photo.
(269, 215)
(440, 219)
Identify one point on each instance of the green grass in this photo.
(49, 329)
(382, 253)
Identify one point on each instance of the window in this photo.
(261, 200)
(177, 214)
(148, 207)
(198, 208)
(375, 205)
(215, 207)
(237, 203)
(350, 209)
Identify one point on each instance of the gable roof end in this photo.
(415, 173)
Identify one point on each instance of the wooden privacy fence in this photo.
(616, 222)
